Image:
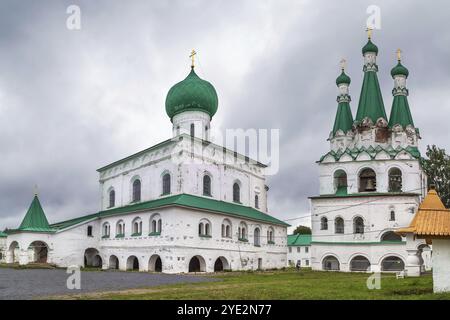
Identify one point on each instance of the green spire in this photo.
(35, 219)
(400, 112)
(344, 117)
(370, 100)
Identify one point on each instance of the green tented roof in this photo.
(400, 112)
(299, 240)
(370, 100)
(181, 200)
(3, 235)
(35, 219)
(344, 118)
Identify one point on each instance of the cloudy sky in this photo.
(73, 101)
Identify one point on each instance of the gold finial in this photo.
(343, 64)
(369, 33)
(192, 56)
(399, 55)
(35, 189)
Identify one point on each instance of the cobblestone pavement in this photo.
(38, 283)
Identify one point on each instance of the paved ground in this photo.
(38, 283)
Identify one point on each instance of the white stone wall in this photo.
(441, 265)
(187, 161)
(299, 253)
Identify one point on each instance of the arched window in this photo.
(340, 182)
(270, 236)
(166, 184)
(136, 227)
(256, 201)
(136, 190)
(178, 130)
(112, 198)
(243, 234)
(391, 236)
(120, 229)
(89, 231)
(339, 225)
(236, 193)
(367, 181)
(106, 230)
(155, 224)
(256, 237)
(204, 228)
(395, 180)
(392, 215)
(192, 130)
(206, 185)
(324, 223)
(226, 228)
(358, 225)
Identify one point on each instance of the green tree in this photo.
(302, 230)
(437, 169)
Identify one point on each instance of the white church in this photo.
(371, 181)
(183, 205)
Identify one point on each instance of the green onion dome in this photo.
(399, 69)
(343, 78)
(369, 47)
(191, 94)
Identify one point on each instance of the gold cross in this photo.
(192, 56)
(399, 54)
(343, 64)
(369, 33)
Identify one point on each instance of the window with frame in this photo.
(136, 190)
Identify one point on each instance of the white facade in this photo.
(441, 263)
(298, 254)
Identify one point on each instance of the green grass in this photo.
(287, 284)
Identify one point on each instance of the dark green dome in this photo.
(399, 69)
(343, 78)
(370, 47)
(192, 94)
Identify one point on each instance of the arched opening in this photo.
(340, 182)
(236, 193)
(197, 264)
(113, 262)
(367, 181)
(358, 225)
(424, 254)
(155, 224)
(392, 263)
(112, 198)
(242, 232)
(136, 190)
(330, 263)
(323, 223)
(13, 252)
(391, 236)
(395, 180)
(120, 229)
(360, 263)
(256, 237)
(106, 230)
(166, 184)
(192, 130)
(221, 264)
(256, 201)
(339, 225)
(136, 227)
(132, 263)
(92, 258)
(39, 252)
(206, 185)
(155, 263)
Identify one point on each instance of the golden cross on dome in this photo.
(343, 64)
(399, 54)
(369, 33)
(192, 56)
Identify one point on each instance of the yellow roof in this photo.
(432, 220)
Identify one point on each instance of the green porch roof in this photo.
(299, 240)
(3, 235)
(35, 219)
(181, 200)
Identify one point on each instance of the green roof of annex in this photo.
(299, 240)
(180, 200)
